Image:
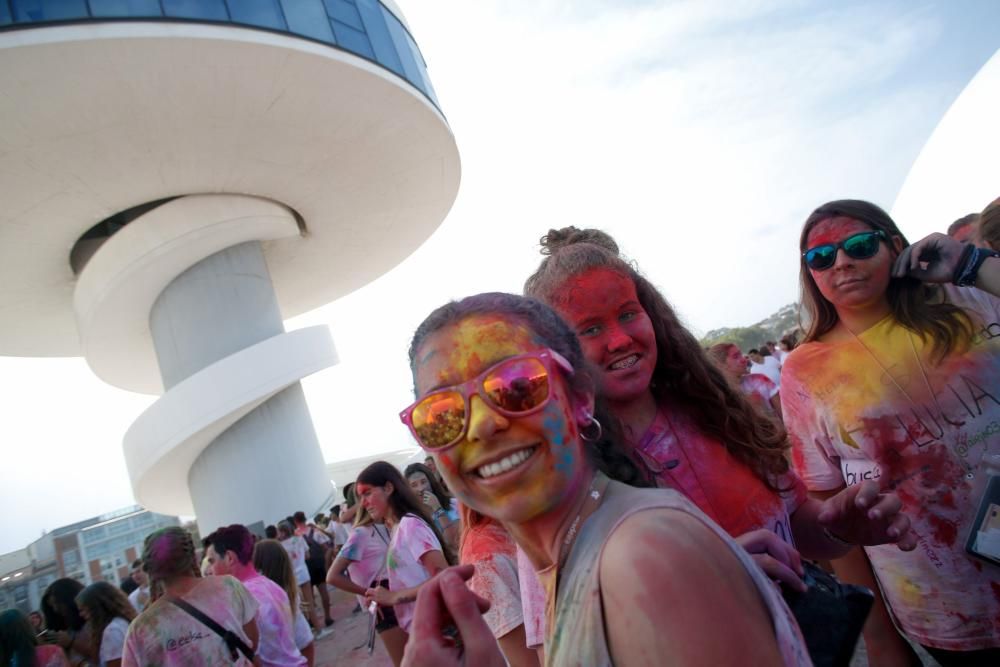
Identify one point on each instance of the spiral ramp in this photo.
(114, 300)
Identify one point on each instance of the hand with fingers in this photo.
(862, 514)
(381, 596)
(779, 560)
(431, 501)
(932, 259)
(443, 603)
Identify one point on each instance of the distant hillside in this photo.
(770, 328)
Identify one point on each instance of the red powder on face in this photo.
(615, 332)
(449, 463)
(593, 293)
(834, 230)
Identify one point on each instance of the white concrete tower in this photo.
(177, 177)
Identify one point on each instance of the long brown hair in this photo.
(272, 561)
(684, 375)
(403, 500)
(917, 306)
(437, 488)
(104, 602)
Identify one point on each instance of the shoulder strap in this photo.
(232, 641)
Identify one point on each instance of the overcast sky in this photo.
(700, 134)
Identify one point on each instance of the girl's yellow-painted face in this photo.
(510, 468)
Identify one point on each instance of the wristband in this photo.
(833, 538)
(969, 263)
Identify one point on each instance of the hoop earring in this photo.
(596, 436)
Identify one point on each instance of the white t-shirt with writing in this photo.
(167, 636)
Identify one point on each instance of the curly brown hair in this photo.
(684, 375)
(917, 306)
(104, 603)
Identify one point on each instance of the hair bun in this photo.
(557, 239)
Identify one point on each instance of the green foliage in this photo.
(746, 338)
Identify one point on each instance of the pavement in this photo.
(347, 644)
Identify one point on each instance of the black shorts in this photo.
(388, 620)
(317, 572)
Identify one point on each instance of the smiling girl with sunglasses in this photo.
(505, 405)
(898, 381)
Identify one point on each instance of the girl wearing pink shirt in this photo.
(363, 558)
(415, 552)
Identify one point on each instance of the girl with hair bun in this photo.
(687, 425)
(164, 633)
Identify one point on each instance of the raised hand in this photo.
(861, 514)
(445, 602)
(932, 259)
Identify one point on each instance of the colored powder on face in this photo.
(834, 230)
(482, 340)
(555, 433)
(595, 293)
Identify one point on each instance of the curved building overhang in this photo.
(957, 171)
(102, 117)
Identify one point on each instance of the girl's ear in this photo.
(389, 488)
(897, 244)
(583, 402)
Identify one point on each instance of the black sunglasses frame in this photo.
(842, 245)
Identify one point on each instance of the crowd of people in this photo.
(600, 489)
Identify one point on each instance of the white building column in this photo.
(231, 439)
(269, 463)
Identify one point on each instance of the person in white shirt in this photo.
(318, 543)
(298, 551)
(763, 363)
(140, 596)
(108, 614)
(338, 529)
(776, 352)
(230, 552)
